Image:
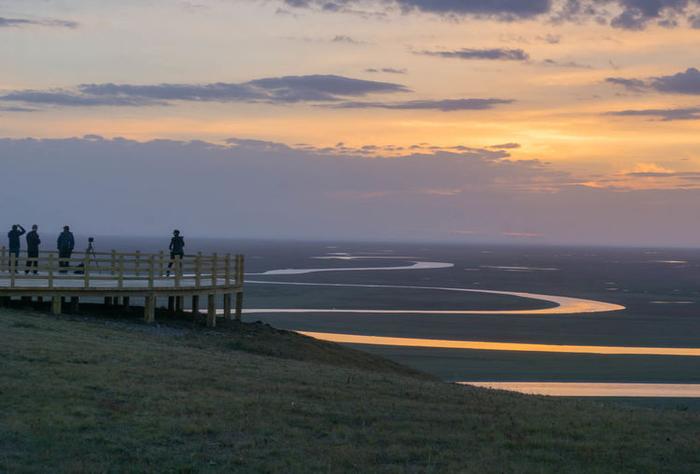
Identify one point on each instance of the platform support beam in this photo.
(179, 303)
(227, 306)
(149, 309)
(239, 305)
(74, 304)
(56, 305)
(195, 306)
(211, 311)
(171, 304)
(125, 302)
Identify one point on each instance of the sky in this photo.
(516, 121)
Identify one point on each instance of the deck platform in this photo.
(123, 275)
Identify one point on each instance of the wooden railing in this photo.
(114, 268)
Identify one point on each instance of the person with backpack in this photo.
(177, 248)
(65, 244)
(33, 242)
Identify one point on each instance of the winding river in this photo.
(565, 305)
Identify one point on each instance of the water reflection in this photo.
(565, 304)
(303, 271)
(585, 389)
(501, 346)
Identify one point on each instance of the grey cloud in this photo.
(506, 146)
(341, 149)
(387, 70)
(689, 175)
(649, 174)
(345, 39)
(565, 64)
(624, 14)
(301, 193)
(687, 82)
(22, 22)
(445, 105)
(666, 115)
(504, 9)
(332, 39)
(636, 85)
(488, 53)
(321, 87)
(16, 109)
(550, 38)
(221, 92)
(286, 89)
(507, 9)
(260, 145)
(636, 14)
(66, 98)
(319, 192)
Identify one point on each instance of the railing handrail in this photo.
(126, 254)
(222, 271)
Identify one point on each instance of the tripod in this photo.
(90, 253)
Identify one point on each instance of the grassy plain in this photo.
(91, 394)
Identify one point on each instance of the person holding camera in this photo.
(13, 237)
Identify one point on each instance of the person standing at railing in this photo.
(65, 244)
(13, 237)
(33, 242)
(177, 248)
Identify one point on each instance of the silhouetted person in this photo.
(177, 248)
(33, 242)
(13, 236)
(65, 244)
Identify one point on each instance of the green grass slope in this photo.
(93, 395)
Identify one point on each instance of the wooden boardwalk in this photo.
(113, 275)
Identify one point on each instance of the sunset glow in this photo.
(596, 99)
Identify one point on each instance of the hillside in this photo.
(89, 394)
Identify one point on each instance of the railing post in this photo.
(120, 273)
(227, 306)
(227, 270)
(239, 286)
(239, 305)
(2, 257)
(213, 269)
(138, 262)
(113, 266)
(239, 270)
(86, 270)
(56, 303)
(50, 270)
(13, 269)
(195, 306)
(150, 309)
(211, 311)
(198, 270)
(150, 271)
(161, 270)
(178, 270)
